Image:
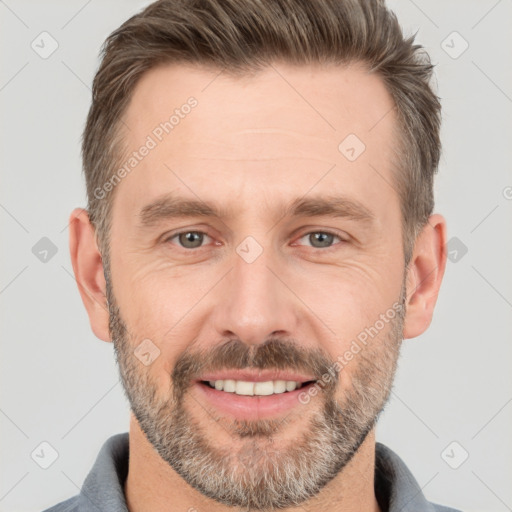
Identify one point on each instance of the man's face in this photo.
(274, 289)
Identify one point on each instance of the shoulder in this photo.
(70, 505)
(396, 488)
(104, 482)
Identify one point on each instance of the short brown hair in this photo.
(242, 36)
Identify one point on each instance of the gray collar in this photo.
(395, 487)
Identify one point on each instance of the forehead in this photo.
(327, 98)
(278, 130)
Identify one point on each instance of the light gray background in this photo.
(59, 384)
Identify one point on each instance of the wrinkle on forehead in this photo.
(309, 102)
(272, 132)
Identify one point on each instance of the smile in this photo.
(247, 388)
(257, 399)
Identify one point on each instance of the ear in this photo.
(88, 269)
(424, 275)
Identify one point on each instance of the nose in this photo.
(254, 302)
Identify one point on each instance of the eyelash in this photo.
(324, 232)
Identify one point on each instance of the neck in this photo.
(153, 486)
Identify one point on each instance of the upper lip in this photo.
(256, 376)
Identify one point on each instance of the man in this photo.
(258, 241)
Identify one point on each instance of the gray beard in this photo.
(254, 474)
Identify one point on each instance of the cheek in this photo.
(161, 305)
(350, 296)
(150, 297)
(351, 301)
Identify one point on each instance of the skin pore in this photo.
(251, 148)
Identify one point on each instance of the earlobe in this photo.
(88, 269)
(425, 273)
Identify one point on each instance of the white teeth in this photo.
(290, 385)
(266, 388)
(242, 387)
(279, 386)
(229, 386)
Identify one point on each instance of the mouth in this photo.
(249, 388)
(250, 396)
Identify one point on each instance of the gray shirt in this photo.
(395, 487)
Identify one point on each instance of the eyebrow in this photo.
(170, 206)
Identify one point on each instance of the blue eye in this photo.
(323, 239)
(194, 239)
(189, 239)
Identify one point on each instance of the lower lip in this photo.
(252, 407)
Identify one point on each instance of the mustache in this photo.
(273, 354)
